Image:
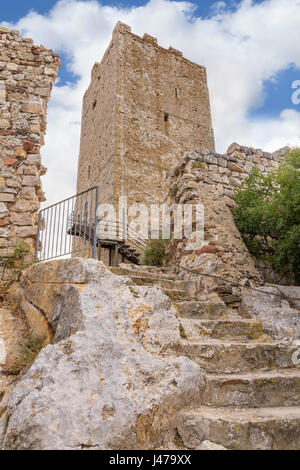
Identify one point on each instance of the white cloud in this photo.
(240, 49)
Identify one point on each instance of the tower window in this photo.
(176, 92)
(94, 104)
(89, 171)
(166, 117)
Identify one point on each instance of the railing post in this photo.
(117, 255)
(37, 241)
(95, 224)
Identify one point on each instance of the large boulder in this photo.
(113, 378)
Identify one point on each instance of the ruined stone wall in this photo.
(229, 170)
(210, 179)
(152, 104)
(27, 74)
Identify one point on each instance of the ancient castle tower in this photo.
(144, 108)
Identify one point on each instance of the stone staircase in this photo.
(252, 395)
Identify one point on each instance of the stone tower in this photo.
(144, 108)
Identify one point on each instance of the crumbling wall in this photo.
(208, 178)
(228, 170)
(27, 74)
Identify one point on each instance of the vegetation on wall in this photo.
(267, 213)
(154, 253)
(29, 349)
(11, 268)
(173, 190)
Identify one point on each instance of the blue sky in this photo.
(276, 91)
(277, 94)
(251, 50)
(15, 9)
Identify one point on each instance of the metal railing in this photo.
(123, 233)
(56, 236)
(72, 227)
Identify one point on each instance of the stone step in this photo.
(164, 283)
(176, 294)
(226, 357)
(173, 288)
(140, 271)
(209, 309)
(151, 269)
(226, 329)
(241, 429)
(258, 389)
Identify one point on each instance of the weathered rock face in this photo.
(27, 74)
(277, 307)
(252, 395)
(271, 276)
(119, 373)
(208, 445)
(112, 378)
(13, 327)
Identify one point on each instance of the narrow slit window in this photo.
(89, 171)
(176, 92)
(94, 104)
(166, 117)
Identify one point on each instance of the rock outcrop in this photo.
(208, 445)
(141, 360)
(113, 378)
(276, 307)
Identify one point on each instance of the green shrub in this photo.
(182, 332)
(11, 268)
(154, 253)
(197, 165)
(173, 190)
(267, 213)
(29, 349)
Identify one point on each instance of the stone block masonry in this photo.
(144, 108)
(27, 74)
(226, 171)
(210, 178)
